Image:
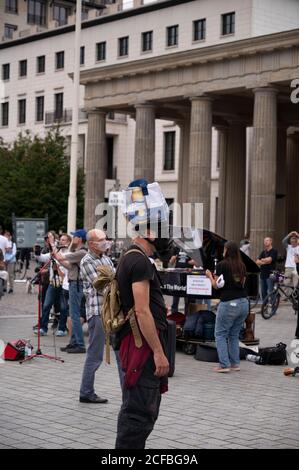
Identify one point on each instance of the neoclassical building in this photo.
(233, 86)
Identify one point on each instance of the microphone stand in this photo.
(38, 352)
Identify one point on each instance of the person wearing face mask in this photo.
(97, 247)
(146, 368)
(71, 261)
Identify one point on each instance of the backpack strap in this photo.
(131, 315)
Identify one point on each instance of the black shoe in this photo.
(76, 350)
(67, 347)
(95, 399)
(10, 291)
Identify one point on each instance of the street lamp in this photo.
(72, 200)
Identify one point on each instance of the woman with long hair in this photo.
(233, 308)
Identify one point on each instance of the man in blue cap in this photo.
(71, 261)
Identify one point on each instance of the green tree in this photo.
(34, 180)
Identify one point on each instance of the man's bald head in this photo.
(96, 235)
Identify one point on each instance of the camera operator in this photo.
(54, 290)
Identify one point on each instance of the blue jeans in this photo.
(267, 286)
(75, 298)
(94, 357)
(229, 321)
(53, 294)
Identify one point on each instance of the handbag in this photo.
(274, 356)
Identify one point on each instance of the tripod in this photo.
(38, 352)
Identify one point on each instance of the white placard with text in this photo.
(199, 285)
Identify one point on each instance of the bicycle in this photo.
(20, 268)
(272, 300)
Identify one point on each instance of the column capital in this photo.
(202, 97)
(98, 111)
(266, 90)
(144, 104)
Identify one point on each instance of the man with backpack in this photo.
(71, 261)
(97, 247)
(145, 364)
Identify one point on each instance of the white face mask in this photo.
(102, 246)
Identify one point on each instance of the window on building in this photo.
(228, 23)
(82, 55)
(123, 46)
(4, 113)
(41, 64)
(22, 111)
(101, 50)
(199, 30)
(36, 12)
(147, 41)
(39, 108)
(169, 151)
(11, 6)
(60, 14)
(84, 15)
(173, 35)
(60, 60)
(58, 111)
(9, 29)
(5, 71)
(23, 68)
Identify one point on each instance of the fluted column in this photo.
(221, 155)
(263, 167)
(235, 182)
(183, 175)
(145, 142)
(200, 155)
(292, 182)
(96, 166)
(281, 188)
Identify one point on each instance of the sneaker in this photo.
(10, 291)
(76, 350)
(60, 333)
(236, 368)
(224, 370)
(67, 347)
(41, 332)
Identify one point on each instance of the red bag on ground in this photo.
(15, 350)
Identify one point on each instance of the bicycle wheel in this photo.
(270, 305)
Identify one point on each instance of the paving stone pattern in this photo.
(39, 406)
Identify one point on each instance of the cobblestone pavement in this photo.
(39, 406)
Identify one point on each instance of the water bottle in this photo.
(252, 358)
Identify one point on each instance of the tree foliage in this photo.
(34, 180)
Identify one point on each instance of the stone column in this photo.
(183, 174)
(96, 166)
(221, 155)
(263, 167)
(235, 182)
(281, 188)
(200, 155)
(145, 142)
(292, 182)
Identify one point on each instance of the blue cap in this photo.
(81, 233)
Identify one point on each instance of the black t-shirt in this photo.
(182, 260)
(136, 267)
(232, 289)
(267, 268)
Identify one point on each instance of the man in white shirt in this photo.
(4, 244)
(290, 242)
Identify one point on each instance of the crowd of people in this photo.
(67, 272)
